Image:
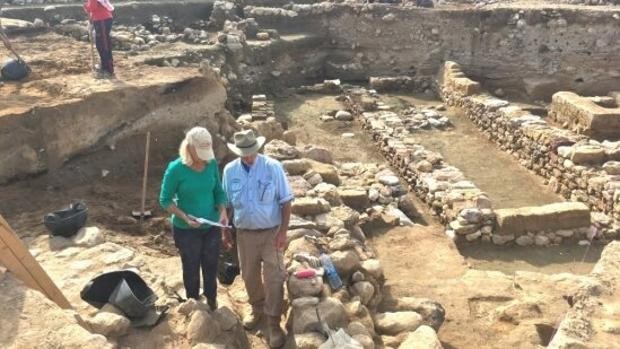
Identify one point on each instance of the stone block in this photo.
(558, 216)
(584, 115)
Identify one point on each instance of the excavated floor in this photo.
(482, 162)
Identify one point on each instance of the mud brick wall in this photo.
(571, 163)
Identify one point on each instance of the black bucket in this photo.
(14, 70)
(67, 222)
(119, 288)
(227, 272)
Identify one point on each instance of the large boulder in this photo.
(553, 217)
(393, 323)
(110, 322)
(317, 154)
(280, 150)
(296, 167)
(304, 317)
(299, 186)
(346, 262)
(202, 327)
(349, 216)
(328, 192)
(270, 129)
(422, 338)
(333, 313)
(365, 290)
(433, 313)
(356, 198)
(328, 172)
(307, 206)
(310, 287)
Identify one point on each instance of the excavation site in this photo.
(358, 174)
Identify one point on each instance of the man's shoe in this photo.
(250, 321)
(277, 337)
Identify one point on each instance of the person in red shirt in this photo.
(100, 14)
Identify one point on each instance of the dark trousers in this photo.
(103, 41)
(199, 249)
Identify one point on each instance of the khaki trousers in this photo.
(262, 270)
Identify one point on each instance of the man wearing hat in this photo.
(261, 197)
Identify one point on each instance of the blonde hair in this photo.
(186, 157)
(194, 136)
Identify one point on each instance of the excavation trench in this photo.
(471, 280)
(465, 147)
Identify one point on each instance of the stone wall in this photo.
(527, 48)
(570, 163)
(596, 117)
(336, 206)
(465, 209)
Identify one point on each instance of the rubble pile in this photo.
(336, 205)
(578, 168)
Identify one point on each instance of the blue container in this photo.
(330, 272)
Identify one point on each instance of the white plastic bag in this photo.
(340, 340)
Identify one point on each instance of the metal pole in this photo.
(144, 178)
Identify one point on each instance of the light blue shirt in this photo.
(257, 195)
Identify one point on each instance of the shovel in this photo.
(143, 214)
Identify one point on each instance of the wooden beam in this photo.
(17, 259)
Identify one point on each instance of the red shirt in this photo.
(96, 11)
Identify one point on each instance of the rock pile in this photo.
(580, 169)
(336, 206)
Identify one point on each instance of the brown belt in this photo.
(259, 230)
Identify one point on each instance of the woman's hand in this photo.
(191, 222)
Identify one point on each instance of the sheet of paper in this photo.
(206, 221)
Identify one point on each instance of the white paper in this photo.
(212, 223)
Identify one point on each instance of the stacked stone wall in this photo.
(578, 168)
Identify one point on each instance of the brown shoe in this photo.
(251, 320)
(277, 337)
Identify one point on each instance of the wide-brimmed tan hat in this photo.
(246, 143)
(200, 139)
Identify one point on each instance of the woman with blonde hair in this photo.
(192, 189)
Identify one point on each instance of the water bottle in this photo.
(330, 272)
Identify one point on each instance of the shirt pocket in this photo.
(266, 191)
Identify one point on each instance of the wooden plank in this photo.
(17, 259)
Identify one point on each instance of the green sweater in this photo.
(196, 193)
